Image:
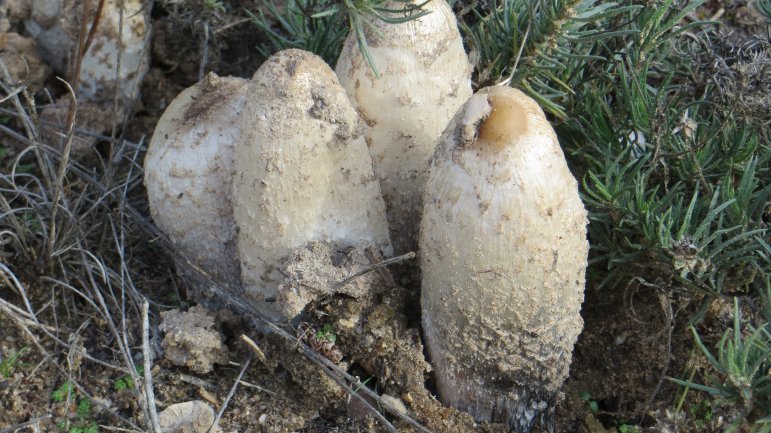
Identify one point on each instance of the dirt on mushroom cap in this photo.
(303, 171)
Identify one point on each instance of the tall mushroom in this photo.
(425, 76)
(303, 172)
(504, 253)
(189, 171)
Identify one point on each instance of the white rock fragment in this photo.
(21, 59)
(56, 26)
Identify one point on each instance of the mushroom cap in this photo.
(303, 171)
(425, 76)
(503, 257)
(189, 170)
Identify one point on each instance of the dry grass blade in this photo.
(148, 354)
(30, 127)
(375, 267)
(11, 281)
(59, 184)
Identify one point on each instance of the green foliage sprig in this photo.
(742, 363)
(675, 184)
(9, 364)
(316, 25)
(304, 25)
(541, 46)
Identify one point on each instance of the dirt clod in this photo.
(24, 64)
(191, 339)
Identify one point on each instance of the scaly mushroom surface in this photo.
(503, 257)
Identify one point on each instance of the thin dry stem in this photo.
(230, 395)
(148, 355)
(59, 184)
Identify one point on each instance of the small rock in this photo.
(188, 417)
(191, 339)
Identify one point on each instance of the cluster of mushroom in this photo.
(242, 173)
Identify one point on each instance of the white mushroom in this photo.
(56, 26)
(303, 171)
(424, 79)
(504, 253)
(189, 171)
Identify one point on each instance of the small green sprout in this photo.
(9, 365)
(327, 333)
(701, 413)
(593, 406)
(126, 382)
(63, 392)
(84, 408)
(83, 411)
(214, 5)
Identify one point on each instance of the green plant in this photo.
(764, 6)
(593, 405)
(125, 382)
(9, 364)
(326, 333)
(742, 364)
(84, 408)
(674, 183)
(541, 45)
(319, 26)
(214, 5)
(64, 392)
(701, 413)
(626, 428)
(304, 26)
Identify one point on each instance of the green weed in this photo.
(326, 333)
(741, 378)
(126, 382)
(63, 393)
(593, 405)
(84, 424)
(10, 364)
(214, 5)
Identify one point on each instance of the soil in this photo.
(633, 340)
